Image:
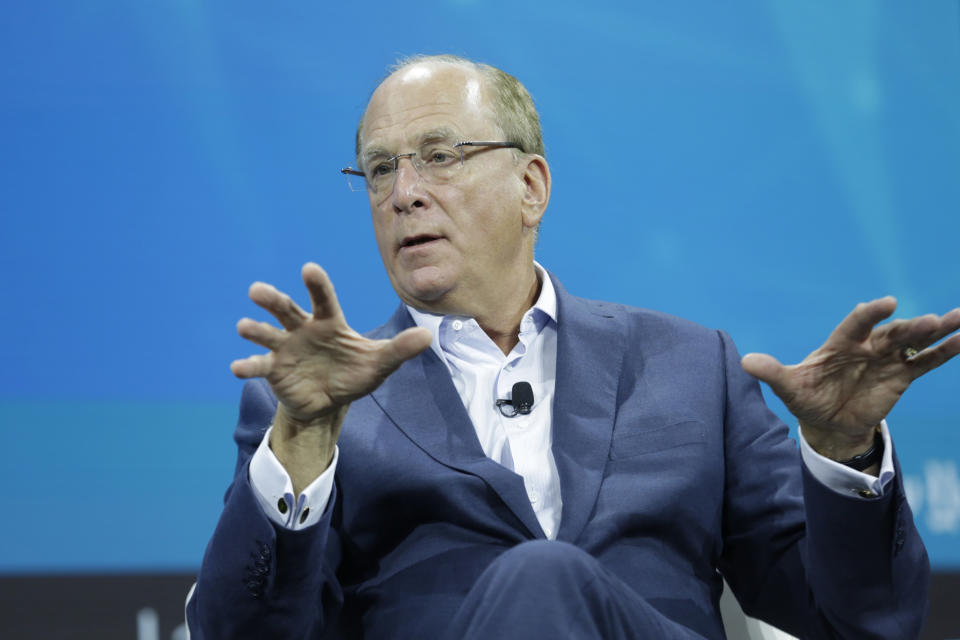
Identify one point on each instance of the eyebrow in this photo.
(371, 153)
(441, 133)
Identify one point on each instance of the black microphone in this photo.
(521, 400)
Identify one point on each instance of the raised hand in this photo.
(841, 391)
(316, 366)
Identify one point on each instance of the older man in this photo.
(405, 490)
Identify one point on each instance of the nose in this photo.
(408, 193)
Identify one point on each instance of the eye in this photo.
(441, 157)
(381, 169)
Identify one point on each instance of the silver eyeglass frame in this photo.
(350, 171)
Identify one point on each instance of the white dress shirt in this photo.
(481, 374)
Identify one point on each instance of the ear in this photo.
(536, 189)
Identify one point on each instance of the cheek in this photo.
(490, 207)
(383, 236)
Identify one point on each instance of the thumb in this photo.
(404, 346)
(765, 367)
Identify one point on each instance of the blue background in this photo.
(755, 166)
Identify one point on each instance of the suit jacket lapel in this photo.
(591, 341)
(420, 399)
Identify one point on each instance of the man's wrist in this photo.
(838, 446)
(845, 480)
(273, 488)
(305, 449)
(869, 458)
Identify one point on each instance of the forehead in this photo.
(425, 98)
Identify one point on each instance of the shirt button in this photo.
(547, 531)
(534, 496)
(457, 325)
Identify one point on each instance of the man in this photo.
(394, 497)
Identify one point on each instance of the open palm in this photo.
(848, 385)
(317, 364)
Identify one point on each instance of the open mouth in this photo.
(414, 241)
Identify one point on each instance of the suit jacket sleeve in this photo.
(850, 567)
(260, 580)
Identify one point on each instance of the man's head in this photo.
(461, 240)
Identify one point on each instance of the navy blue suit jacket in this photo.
(673, 474)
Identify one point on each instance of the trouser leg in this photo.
(550, 589)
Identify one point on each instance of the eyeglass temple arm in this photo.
(511, 145)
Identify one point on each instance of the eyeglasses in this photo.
(436, 162)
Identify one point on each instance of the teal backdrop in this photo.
(756, 166)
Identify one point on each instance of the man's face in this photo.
(447, 248)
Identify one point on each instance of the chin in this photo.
(419, 289)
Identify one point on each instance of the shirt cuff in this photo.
(274, 490)
(845, 480)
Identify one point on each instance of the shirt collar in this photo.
(543, 310)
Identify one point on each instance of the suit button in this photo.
(282, 505)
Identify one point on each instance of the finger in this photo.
(404, 346)
(252, 367)
(931, 358)
(858, 324)
(322, 295)
(917, 332)
(949, 323)
(765, 367)
(260, 333)
(287, 312)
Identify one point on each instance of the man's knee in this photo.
(550, 589)
(545, 562)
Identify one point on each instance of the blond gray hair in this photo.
(513, 108)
